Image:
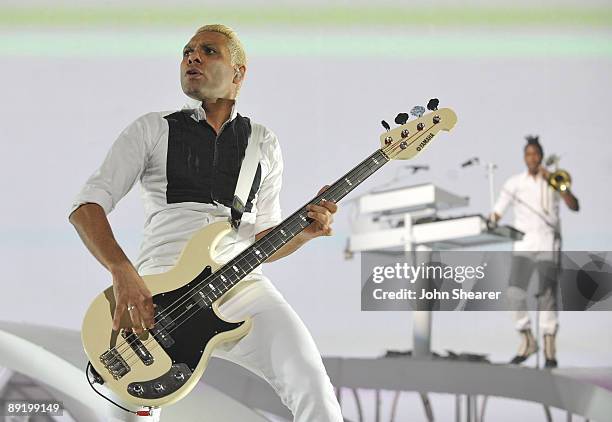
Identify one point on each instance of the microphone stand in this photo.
(490, 170)
(491, 177)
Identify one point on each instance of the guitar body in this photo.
(163, 364)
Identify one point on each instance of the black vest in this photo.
(202, 167)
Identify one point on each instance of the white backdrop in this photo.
(60, 115)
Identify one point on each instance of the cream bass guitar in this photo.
(163, 364)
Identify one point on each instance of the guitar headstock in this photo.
(408, 140)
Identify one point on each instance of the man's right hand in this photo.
(129, 288)
(133, 296)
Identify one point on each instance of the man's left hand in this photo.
(323, 216)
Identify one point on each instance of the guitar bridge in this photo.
(114, 363)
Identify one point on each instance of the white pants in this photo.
(279, 349)
(523, 266)
(548, 321)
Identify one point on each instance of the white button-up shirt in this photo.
(536, 211)
(139, 154)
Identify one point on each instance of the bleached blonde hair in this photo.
(238, 56)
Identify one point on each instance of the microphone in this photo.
(416, 168)
(471, 162)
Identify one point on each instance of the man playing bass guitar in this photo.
(187, 162)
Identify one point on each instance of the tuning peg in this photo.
(417, 111)
(385, 125)
(433, 104)
(402, 118)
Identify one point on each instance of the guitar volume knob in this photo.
(137, 389)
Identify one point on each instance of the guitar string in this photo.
(367, 160)
(301, 210)
(225, 266)
(390, 147)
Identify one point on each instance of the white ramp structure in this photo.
(54, 357)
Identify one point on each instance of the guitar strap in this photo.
(246, 176)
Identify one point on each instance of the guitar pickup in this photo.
(141, 351)
(161, 335)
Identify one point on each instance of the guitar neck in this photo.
(253, 256)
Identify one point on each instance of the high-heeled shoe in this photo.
(527, 348)
(550, 351)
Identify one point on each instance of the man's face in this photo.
(206, 68)
(532, 158)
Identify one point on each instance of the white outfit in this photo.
(279, 347)
(536, 213)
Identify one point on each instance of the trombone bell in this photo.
(560, 180)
